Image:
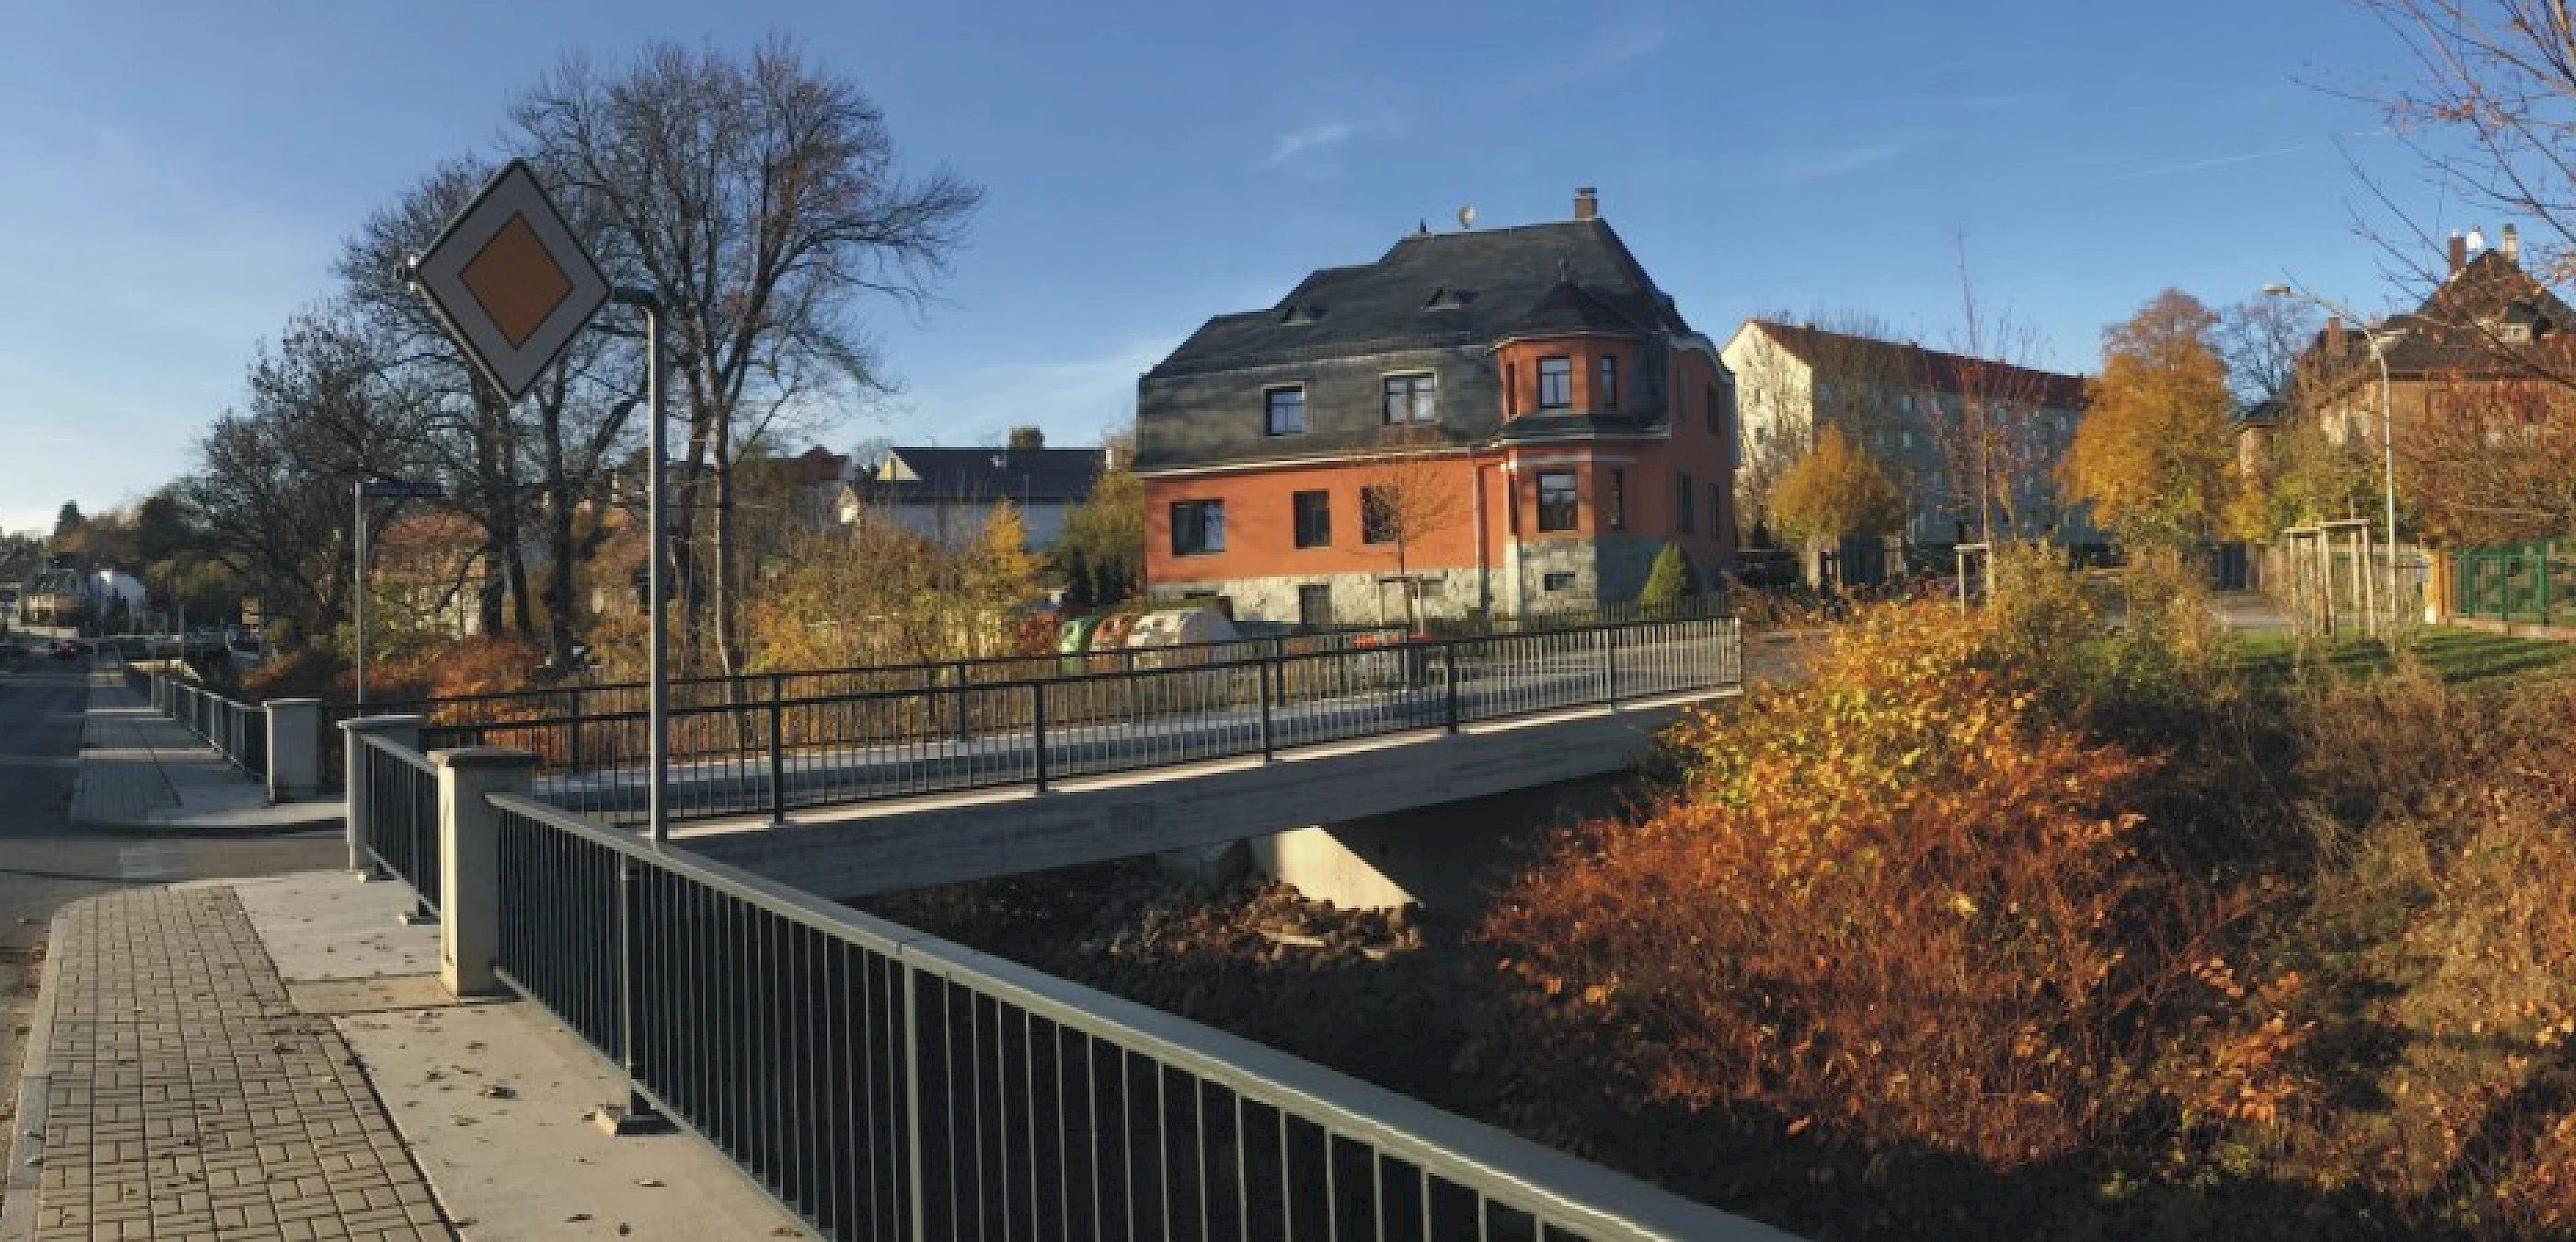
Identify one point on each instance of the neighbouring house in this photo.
(1510, 420)
(947, 494)
(1923, 414)
(431, 565)
(2486, 335)
(812, 480)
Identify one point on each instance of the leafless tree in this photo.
(2262, 340)
(272, 490)
(541, 462)
(1985, 405)
(760, 199)
(1409, 486)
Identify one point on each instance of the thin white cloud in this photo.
(1312, 139)
(1621, 43)
(1824, 164)
(2193, 166)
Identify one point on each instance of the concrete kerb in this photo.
(25, 1174)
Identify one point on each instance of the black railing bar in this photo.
(1478, 1157)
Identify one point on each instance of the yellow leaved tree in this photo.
(1836, 490)
(2153, 454)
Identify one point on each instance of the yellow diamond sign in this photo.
(510, 282)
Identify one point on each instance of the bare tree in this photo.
(1410, 485)
(1985, 406)
(2261, 341)
(760, 200)
(272, 489)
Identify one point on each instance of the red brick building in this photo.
(1509, 420)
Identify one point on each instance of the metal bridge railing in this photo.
(882, 1084)
(400, 831)
(238, 730)
(777, 751)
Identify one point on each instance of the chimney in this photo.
(2509, 244)
(2459, 252)
(1587, 203)
(2334, 335)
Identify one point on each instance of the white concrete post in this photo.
(403, 731)
(294, 748)
(469, 860)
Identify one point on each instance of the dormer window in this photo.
(1446, 298)
(1302, 313)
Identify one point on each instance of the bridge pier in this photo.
(1445, 857)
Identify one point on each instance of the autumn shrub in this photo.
(1901, 904)
(2448, 908)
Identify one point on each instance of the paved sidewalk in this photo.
(140, 769)
(186, 1098)
(275, 1060)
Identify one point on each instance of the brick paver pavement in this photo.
(189, 1100)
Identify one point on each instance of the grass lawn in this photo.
(2466, 658)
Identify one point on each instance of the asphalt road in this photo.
(47, 862)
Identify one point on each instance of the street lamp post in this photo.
(2387, 422)
(362, 492)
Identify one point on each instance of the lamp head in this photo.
(2276, 289)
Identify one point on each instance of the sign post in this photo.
(512, 286)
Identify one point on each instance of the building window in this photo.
(1558, 581)
(1314, 519)
(1716, 411)
(1511, 389)
(1198, 527)
(1608, 397)
(1685, 504)
(1283, 411)
(1315, 607)
(1614, 507)
(1411, 399)
(1716, 509)
(1379, 520)
(1556, 500)
(1555, 382)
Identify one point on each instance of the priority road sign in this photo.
(509, 280)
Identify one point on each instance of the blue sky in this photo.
(175, 178)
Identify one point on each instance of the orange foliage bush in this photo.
(1897, 903)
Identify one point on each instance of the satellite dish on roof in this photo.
(1467, 216)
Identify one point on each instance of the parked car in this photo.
(64, 649)
(11, 649)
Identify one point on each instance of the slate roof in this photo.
(1943, 372)
(1029, 476)
(2446, 335)
(1433, 290)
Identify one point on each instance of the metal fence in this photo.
(575, 705)
(2532, 582)
(783, 751)
(238, 730)
(400, 828)
(883, 1085)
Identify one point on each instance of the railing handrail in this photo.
(399, 751)
(1397, 632)
(1418, 644)
(1603, 1202)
